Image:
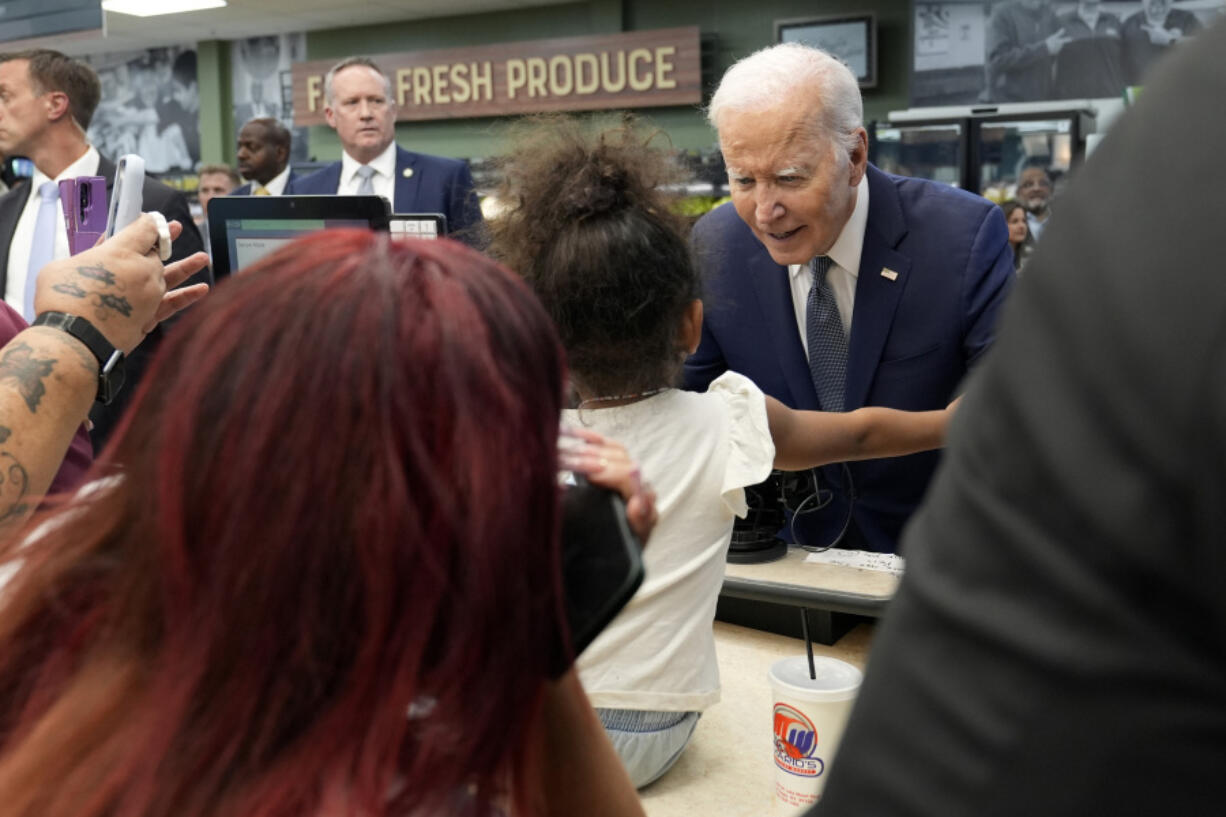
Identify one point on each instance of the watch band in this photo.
(110, 359)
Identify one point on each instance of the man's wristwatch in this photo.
(110, 359)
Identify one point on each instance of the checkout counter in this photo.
(769, 596)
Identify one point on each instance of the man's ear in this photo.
(57, 105)
(691, 326)
(330, 117)
(859, 156)
(282, 156)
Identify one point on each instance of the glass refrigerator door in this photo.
(926, 151)
(1005, 148)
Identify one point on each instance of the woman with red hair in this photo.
(325, 580)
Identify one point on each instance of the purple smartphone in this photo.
(85, 211)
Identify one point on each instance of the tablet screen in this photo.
(244, 229)
(250, 239)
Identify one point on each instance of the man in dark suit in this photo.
(833, 285)
(1058, 643)
(359, 105)
(263, 158)
(46, 103)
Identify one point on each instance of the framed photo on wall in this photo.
(850, 37)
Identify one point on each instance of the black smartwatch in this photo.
(110, 359)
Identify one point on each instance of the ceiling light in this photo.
(152, 8)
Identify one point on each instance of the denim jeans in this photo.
(649, 743)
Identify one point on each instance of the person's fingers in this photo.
(611, 462)
(582, 433)
(642, 514)
(176, 301)
(586, 451)
(180, 271)
(141, 236)
(618, 474)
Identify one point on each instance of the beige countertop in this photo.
(726, 770)
(793, 570)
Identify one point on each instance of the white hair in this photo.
(350, 62)
(785, 72)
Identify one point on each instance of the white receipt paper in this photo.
(863, 559)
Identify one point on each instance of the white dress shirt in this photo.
(23, 233)
(843, 272)
(276, 185)
(1034, 225)
(384, 179)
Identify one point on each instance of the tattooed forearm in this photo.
(14, 482)
(20, 364)
(98, 274)
(118, 303)
(69, 288)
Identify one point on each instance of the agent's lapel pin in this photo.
(889, 274)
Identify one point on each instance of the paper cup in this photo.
(810, 714)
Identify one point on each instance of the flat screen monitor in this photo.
(243, 229)
(852, 38)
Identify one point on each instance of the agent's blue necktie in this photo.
(827, 342)
(42, 250)
(366, 187)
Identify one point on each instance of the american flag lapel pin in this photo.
(888, 273)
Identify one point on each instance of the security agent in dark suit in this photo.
(1057, 646)
(914, 274)
(263, 158)
(359, 105)
(46, 102)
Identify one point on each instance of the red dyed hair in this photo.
(337, 505)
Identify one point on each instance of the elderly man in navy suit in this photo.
(833, 285)
(359, 105)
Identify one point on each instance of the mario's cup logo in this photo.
(796, 743)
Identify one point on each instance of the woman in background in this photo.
(1019, 233)
(326, 581)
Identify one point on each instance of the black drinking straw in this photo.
(804, 628)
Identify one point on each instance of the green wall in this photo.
(738, 27)
(216, 108)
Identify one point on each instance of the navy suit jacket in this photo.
(245, 190)
(913, 336)
(435, 185)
